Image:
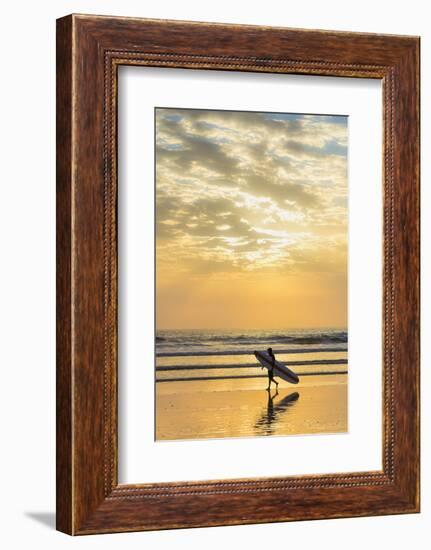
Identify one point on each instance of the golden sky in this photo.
(251, 220)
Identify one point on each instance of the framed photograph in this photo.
(237, 274)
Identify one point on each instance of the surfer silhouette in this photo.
(271, 370)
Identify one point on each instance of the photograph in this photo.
(251, 293)
(212, 305)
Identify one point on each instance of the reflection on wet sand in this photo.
(241, 408)
(266, 423)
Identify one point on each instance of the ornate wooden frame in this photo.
(89, 51)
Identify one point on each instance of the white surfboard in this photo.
(279, 370)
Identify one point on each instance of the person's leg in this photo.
(269, 380)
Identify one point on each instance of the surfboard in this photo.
(279, 370)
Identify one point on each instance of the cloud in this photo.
(250, 191)
(280, 189)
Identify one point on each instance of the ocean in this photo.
(183, 355)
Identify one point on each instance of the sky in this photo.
(251, 220)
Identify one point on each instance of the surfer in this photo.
(271, 370)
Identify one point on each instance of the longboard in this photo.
(279, 370)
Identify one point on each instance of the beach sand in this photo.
(243, 408)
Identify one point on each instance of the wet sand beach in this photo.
(243, 408)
